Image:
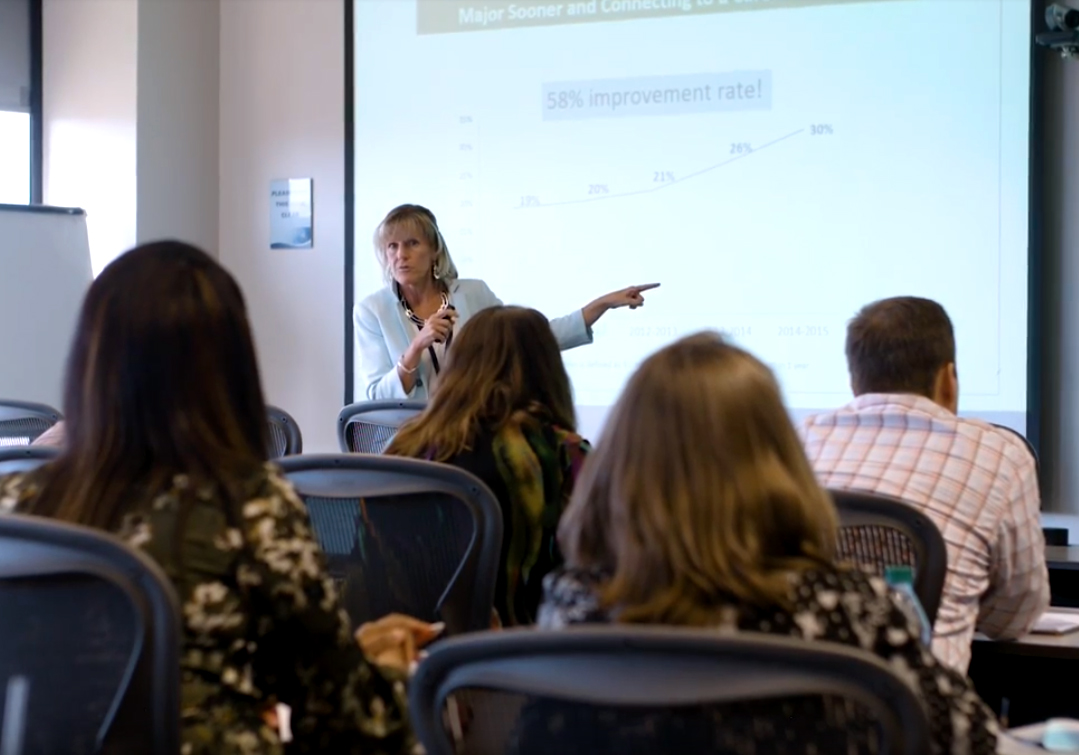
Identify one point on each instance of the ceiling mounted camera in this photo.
(1063, 34)
(1061, 18)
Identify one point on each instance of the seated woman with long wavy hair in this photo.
(503, 410)
(699, 509)
(166, 446)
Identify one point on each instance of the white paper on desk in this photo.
(284, 722)
(1056, 622)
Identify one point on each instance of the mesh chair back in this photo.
(25, 458)
(876, 532)
(367, 427)
(285, 436)
(655, 691)
(22, 422)
(404, 535)
(91, 665)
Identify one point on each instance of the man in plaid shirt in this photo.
(901, 437)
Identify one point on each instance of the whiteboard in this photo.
(44, 273)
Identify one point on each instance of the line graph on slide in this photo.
(663, 179)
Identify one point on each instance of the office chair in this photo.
(89, 644)
(404, 535)
(645, 689)
(25, 458)
(367, 427)
(876, 532)
(22, 422)
(285, 436)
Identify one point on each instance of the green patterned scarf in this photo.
(539, 463)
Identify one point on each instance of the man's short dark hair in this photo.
(899, 346)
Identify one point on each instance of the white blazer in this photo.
(383, 333)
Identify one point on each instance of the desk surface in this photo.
(1062, 556)
(1046, 645)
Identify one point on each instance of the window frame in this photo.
(37, 130)
(34, 108)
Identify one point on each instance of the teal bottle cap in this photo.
(896, 575)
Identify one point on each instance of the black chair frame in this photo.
(290, 428)
(859, 508)
(1031, 450)
(389, 413)
(1024, 439)
(25, 458)
(144, 716)
(661, 666)
(15, 410)
(466, 603)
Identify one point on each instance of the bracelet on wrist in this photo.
(406, 370)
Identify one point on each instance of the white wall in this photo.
(161, 115)
(178, 73)
(89, 103)
(131, 120)
(282, 116)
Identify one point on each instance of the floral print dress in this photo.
(262, 623)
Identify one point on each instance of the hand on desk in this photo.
(394, 641)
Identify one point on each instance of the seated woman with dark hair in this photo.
(503, 410)
(166, 446)
(699, 509)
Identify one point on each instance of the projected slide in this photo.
(774, 164)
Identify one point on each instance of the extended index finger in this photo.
(645, 287)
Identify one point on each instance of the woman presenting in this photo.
(403, 330)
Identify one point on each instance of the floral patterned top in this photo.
(262, 622)
(828, 605)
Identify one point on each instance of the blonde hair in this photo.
(698, 492)
(423, 220)
(503, 366)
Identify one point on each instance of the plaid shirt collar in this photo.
(910, 402)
